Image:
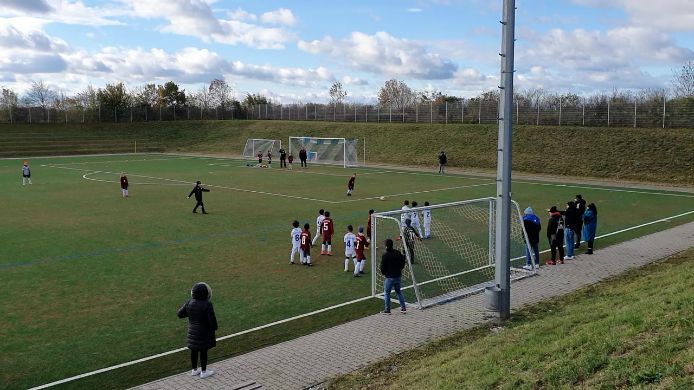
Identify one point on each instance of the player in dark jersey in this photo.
(350, 184)
(198, 190)
(410, 236)
(124, 184)
(327, 231)
(260, 158)
(269, 157)
(290, 159)
(360, 244)
(305, 246)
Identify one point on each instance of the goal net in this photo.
(334, 151)
(457, 259)
(255, 146)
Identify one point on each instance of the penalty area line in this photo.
(177, 350)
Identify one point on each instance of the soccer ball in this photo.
(382, 198)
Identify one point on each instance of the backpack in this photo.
(560, 224)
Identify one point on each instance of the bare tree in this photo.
(683, 80)
(87, 98)
(396, 94)
(8, 98)
(40, 94)
(337, 93)
(222, 94)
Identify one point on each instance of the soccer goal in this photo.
(334, 151)
(457, 259)
(255, 146)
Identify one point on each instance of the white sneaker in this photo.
(568, 258)
(528, 267)
(206, 374)
(195, 372)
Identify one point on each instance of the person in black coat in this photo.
(202, 324)
(303, 157)
(581, 206)
(555, 236)
(283, 158)
(442, 161)
(392, 264)
(198, 190)
(571, 221)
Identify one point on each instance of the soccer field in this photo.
(92, 279)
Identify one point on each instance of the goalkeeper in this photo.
(410, 235)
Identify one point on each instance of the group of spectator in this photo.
(566, 228)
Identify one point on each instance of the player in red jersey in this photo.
(290, 158)
(305, 246)
(359, 246)
(124, 184)
(350, 184)
(326, 228)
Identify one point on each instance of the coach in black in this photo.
(198, 190)
(392, 264)
(283, 158)
(303, 157)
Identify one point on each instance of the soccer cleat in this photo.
(385, 312)
(362, 272)
(551, 262)
(329, 253)
(195, 212)
(291, 262)
(206, 374)
(205, 212)
(309, 265)
(356, 275)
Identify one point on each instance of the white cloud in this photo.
(280, 16)
(414, 10)
(385, 55)
(61, 11)
(664, 14)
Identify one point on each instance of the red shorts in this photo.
(327, 237)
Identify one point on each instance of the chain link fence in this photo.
(666, 113)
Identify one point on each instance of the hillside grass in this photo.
(655, 155)
(635, 331)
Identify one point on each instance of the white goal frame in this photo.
(253, 151)
(422, 303)
(341, 141)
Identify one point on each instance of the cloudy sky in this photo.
(292, 51)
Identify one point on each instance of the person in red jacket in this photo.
(326, 228)
(124, 184)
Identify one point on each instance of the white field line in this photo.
(416, 192)
(607, 189)
(295, 171)
(208, 185)
(81, 156)
(86, 176)
(144, 359)
(119, 161)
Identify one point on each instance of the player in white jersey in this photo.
(415, 219)
(319, 219)
(26, 173)
(350, 254)
(426, 215)
(296, 241)
(405, 212)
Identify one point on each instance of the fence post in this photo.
(403, 113)
(446, 111)
(99, 112)
(188, 111)
(390, 113)
(160, 113)
(479, 113)
(416, 113)
(663, 111)
(560, 101)
(634, 113)
(537, 119)
(608, 113)
(115, 114)
(355, 112)
(30, 116)
(517, 112)
(583, 114)
(131, 114)
(65, 117)
(431, 112)
(366, 113)
(49, 115)
(462, 110)
(82, 114)
(378, 113)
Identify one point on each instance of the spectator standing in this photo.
(290, 158)
(283, 158)
(571, 221)
(442, 161)
(590, 224)
(555, 235)
(532, 228)
(202, 324)
(303, 156)
(198, 190)
(26, 173)
(581, 206)
(124, 184)
(392, 264)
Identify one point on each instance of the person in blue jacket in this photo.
(590, 224)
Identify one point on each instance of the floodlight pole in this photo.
(503, 172)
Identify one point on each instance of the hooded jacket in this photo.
(532, 227)
(202, 322)
(555, 225)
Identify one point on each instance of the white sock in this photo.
(308, 259)
(361, 265)
(346, 264)
(330, 248)
(356, 266)
(322, 247)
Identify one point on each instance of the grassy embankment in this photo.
(636, 331)
(656, 155)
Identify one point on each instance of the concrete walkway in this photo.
(310, 360)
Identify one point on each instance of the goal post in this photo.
(255, 145)
(332, 151)
(458, 258)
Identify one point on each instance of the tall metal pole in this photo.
(503, 174)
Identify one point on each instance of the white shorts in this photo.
(350, 254)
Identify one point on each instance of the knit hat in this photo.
(553, 209)
(528, 211)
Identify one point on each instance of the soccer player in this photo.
(198, 190)
(426, 216)
(269, 157)
(319, 220)
(350, 254)
(26, 173)
(260, 158)
(305, 246)
(410, 236)
(415, 219)
(283, 158)
(296, 241)
(350, 184)
(359, 247)
(368, 227)
(327, 230)
(442, 161)
(405, 212)
(124, 184)
(290, 158)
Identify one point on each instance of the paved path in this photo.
(311, 359)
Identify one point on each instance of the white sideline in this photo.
(606, 189)
(144, 359)
(85, 176)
